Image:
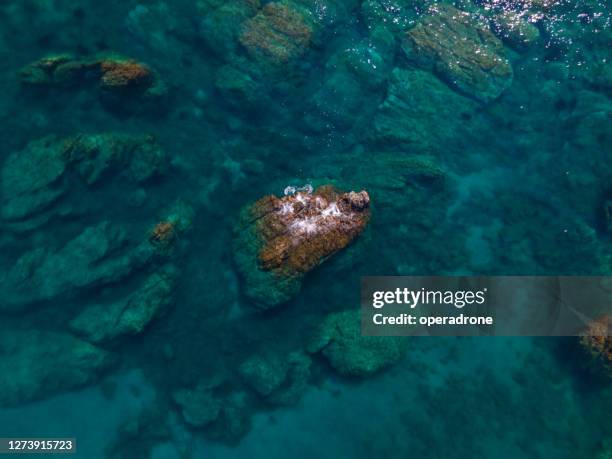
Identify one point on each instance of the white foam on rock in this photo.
(286, 208)
(324, 220)
(331, 211)
(306, 225)
(301, 197)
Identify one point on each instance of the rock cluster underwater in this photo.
(193, 189)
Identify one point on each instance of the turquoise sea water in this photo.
(468, 173)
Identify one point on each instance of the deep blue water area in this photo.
(135, 133)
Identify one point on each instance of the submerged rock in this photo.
(166, 234)
(123, 83)
(527, 6)
(234, 420)
(279, 240)
(100, 255)
(199, 406)
(141, 433)
(421, 112)
(596, 341)
(397, 15)
(221, 23)
(411, 174)
(128, 316)
(279, 380)
(141, 157)
(352, 75)
(461, 51)
(224, 416)
(36, 364)
(57, 70)
(600, 76)
(340, 341)
(278, 33)
(131, 314)
(514, 29)
(238, 87)
(161, 26)
(34, 179)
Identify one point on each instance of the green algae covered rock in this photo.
(139, 157)
(352, 75)
(234, 420)
(237, 86)
(280, 32)
(263, 374)
(128, 316)
(100, 255)
(33, 179)
(411, 174)
(223, 415)
(515, 30)
(280, 380)
(221, 21)
(461, 51)
(35, 364)
(123, 84)
(47, 170)
(396, 15)
(420, 112)
(339, 340)
(57, 69)
(199, 406)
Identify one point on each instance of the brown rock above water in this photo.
(279, 240)
(596, 340)
(302, 229)
(460, 50)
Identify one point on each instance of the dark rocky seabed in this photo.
(480, 129)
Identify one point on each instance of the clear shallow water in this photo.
(526, 176)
